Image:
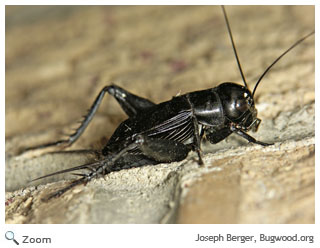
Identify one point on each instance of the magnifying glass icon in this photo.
(10, 236)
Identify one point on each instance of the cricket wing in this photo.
(178, 128)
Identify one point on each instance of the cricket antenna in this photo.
(269, 67)
(234, 47)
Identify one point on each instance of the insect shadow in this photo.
(168, 131)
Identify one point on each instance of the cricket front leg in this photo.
(248, 137)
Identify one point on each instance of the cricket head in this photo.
(238, 106)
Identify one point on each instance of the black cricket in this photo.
(168, 131)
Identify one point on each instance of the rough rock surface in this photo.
(57, 60)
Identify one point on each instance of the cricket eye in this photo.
(242, 105)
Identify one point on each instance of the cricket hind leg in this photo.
(130, 103)
(162, 150)
(151, 151)
(96, 169)
(144, 150)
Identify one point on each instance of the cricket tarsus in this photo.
(168, 131)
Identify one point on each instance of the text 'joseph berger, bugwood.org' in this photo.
(252, 238)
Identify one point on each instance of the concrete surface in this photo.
(57, 60)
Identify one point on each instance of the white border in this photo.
(146, 235)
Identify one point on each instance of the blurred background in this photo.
(59, 57)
